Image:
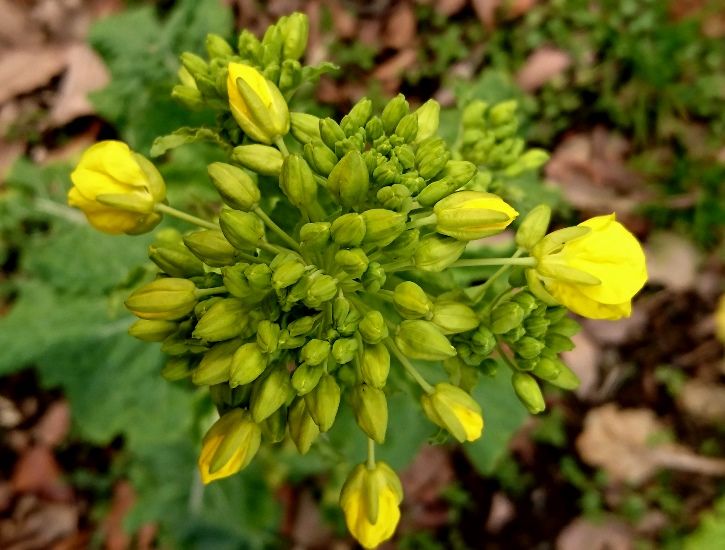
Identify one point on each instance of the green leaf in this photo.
(185, 135)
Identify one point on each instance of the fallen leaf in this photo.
(704, 401)
(672, 261)
(541, 66)
(449, 7)
(38, 524)
(52, 428)
(395, 66)
(344, 22)
(124, 496)
(486, 11)
(423, 483)
(608, 534)
(400, 26)
(46, 62)
(502, 512)
(16, 28)
(37, 471)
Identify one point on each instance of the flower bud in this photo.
(287, 271)
(348, 229)
(404, 246)
(340, 311)
(211, 247)
(528, 392)
(270, 393)
(216, 46)
(503, 113)
(152, 330)
(262, 159)
(382, 226)
(436, 253)
(274, 428)
(189, 96)
(411, 301)
(256, 104)
(483, 340)
(505, 317)
(374, 128)
(558, 343)
(315, 235)
(243, 230)
(547, 369)
(306, 377)
(375, 365)
(431, 157)
(304, 127)
(530, 160)
(374, 277)
(422, 340)
(302, 326)
(214, 366)
(453, 317)
(354, 262)
(176, 368)
(535, 326)
(298, 182)
(267, 336)
(315, 352)
(566, 379)
(455, 175)
(528, 347)
(470, 215)
(349, 180)
(407, 128)
(372, 327)
(330, 132)
(321, 158)
(322, 403)
(164, 299)
(358, 115)
(393, 112)
(229, 445)
(371, 411)
(323, 288)
(344, 349)
(295, 30)
(302, 428)
(247, 364)
(176, 260)
(222, 321)
(454, 410)
(428, 116)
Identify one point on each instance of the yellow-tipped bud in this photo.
(165, 299)
(454, 410)
(469, 215)
(229, 445)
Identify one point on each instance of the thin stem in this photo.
(171, 211)
(202, 292)
(371, 454)
(480, 291)
(279, 142)
(271, 248)
(506, 359)
(420, 222)
(480, 262)
(249, 258)
(408, 366)
(281, 233)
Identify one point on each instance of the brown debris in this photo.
(541, 66)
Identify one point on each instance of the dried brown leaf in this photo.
(400, 26)
(541, 66)
(449, 7)
(54, 425)
(486, 11)
(672, 261)
(704, 401)
(38, 524)
(25, 70)
(609, 534)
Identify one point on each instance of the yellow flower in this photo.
(256, 104)
(229, 445)
(370, 499)
(720, 319)
(117, 189)
(595, 274)
(454, 410)
(469, 215)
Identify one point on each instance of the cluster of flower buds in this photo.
(318, 285)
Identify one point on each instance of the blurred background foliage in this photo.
(629, 95)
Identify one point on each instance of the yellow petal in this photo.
(572, 297)
(113, 157)
(372, 535)
(471, 421)
(91, 183)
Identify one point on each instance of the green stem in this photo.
(408, 366)
(420, 222)
(506, 359)
(480, 262)
(203, 292)
(281, 233)
(371, 454)
(480, 291)
(171, 211)
(279, 142)
(402, 265)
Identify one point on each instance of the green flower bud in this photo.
(306, 377)
(349, 180)
(189, 96)
(322, 289)
(358, 115)
(371, 411)
(530, 160)
(211, 247)
(164, 299)
(431, 157)
(261, 159)
(177, 368)
(548, 369)
(528, 347)
(428, 119)
(455, 175)
(176, 261)
(411, 301)
(267, 336)
(152, 330)
(536, 326)
(558, 343)
(315, 236)
(340, 310)
(528, 392)
(259, 277)
(274, 428)
(565, 326)
(453, 317)
(302, 326)
(372, 327)
(374, 278)
(235, 281)
(302, 428)
(330, 132)
(295, 30)
(375, 365)
(393, 112)
(298, 182)
(533, 227)
(287, 272)
(505, 317)
(216, 46)
(483, 340)
(374, 128)
(422, 340)
(304, 127)
(214, 366)
(407, 128)
(436, 253)
(195, 65)
(566, 379)
(503, 113)
(315, 352)
(270, 393)
(515, 334)
(243, 230)
(290, 75)
(248, 363)
(404, 246)
(527, 302)
(321, 158)
(386, 173)
(323, 402)
(382, 226)
(348, 230)
(344, 349)
(354, 262)
(474, 113)
(470, 215)
(222, 321)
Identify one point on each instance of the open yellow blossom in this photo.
(454, 410)
(256, 104)
(469, 215)
(370, 499)
(117, 189)
(229, 445)
(595, 274)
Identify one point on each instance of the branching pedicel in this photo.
(301, 297)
